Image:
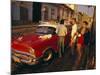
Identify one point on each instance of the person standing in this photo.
(79, 47)
(62, 32)
(73, 35)
(86, 44)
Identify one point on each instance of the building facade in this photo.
(21, 12)
(52, 11)
(30, 12)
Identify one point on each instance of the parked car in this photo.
(42, 46)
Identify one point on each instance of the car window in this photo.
(45, 30)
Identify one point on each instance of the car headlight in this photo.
(32, 52)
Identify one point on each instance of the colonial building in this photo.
(21, 12)
(54, 11)
(31, 12)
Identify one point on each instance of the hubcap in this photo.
(49, 56)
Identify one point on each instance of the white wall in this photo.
(49, 6)
(55, 11)
(15, 12)
(30, 9)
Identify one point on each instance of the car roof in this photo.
(48, 25)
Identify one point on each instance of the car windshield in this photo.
(45, 30)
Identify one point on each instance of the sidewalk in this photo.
(23, 29)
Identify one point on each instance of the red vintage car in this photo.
(37, 47)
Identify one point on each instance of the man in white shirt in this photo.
(73, 33)
(62, 32)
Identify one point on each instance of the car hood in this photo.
(24, 43)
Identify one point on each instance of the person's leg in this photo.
(73, 54)
(60, 54)
(87, 57)
(63, 44)
(83, 60)
(73, 48)
(78, 59)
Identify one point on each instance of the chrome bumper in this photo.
(26, 60)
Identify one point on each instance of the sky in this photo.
(85, 9)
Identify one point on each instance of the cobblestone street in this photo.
(59, 64)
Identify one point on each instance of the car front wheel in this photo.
(48, 56)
